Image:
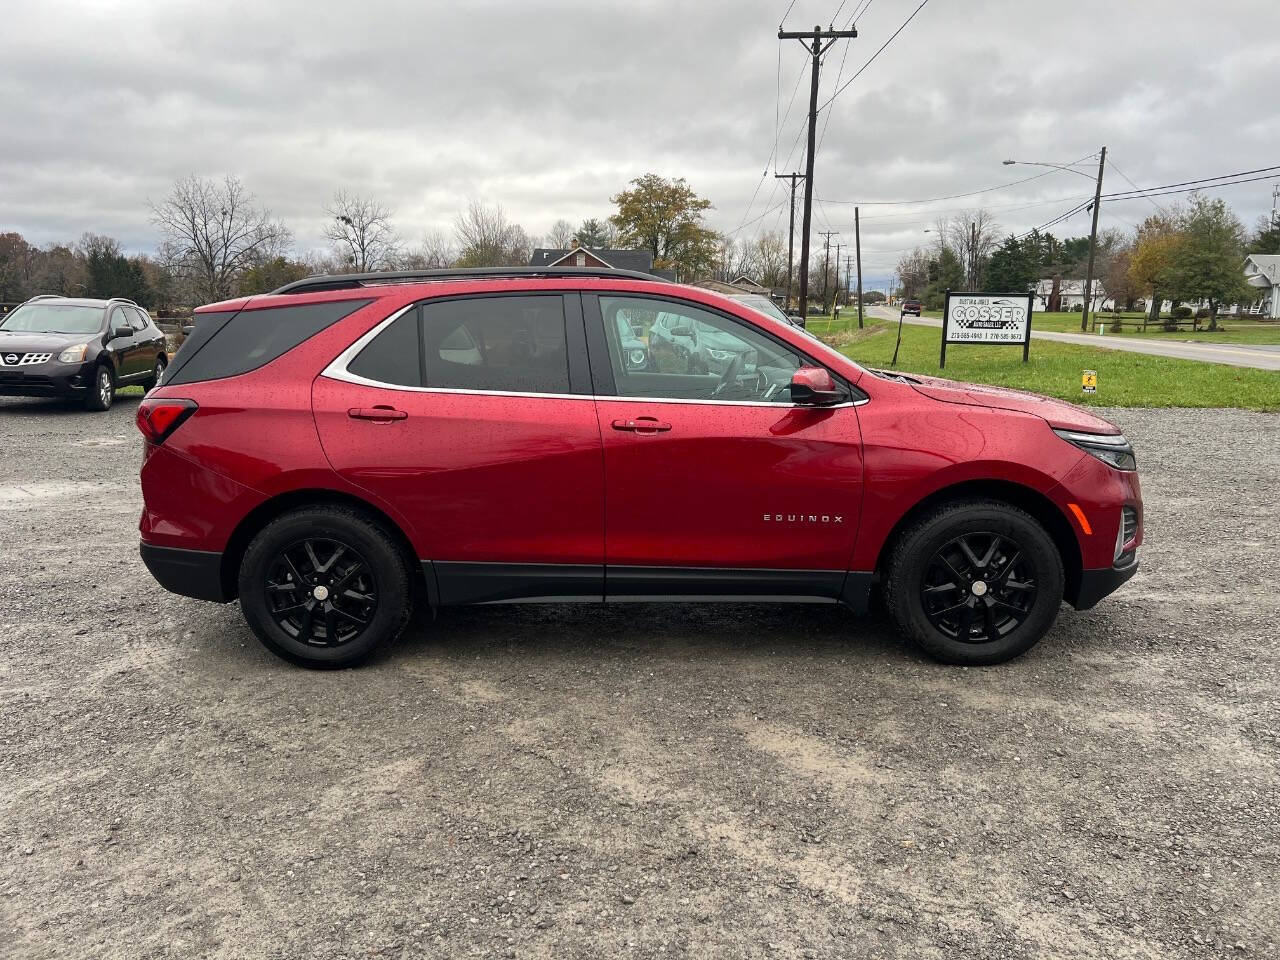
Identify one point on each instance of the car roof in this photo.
(74, 301)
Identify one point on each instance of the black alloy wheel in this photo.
(323, 586)
(974, 582)
(978, 587)
(321, 592)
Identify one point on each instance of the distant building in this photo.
(1071, 295)
(1263, 272)
(602, 258)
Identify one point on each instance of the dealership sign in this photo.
(985, 318)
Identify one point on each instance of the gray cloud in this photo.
(550, 108)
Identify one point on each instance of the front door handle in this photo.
(378, 414)
(644, 425)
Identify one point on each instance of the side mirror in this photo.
(813, 387)
(189, 329)
(122, 332)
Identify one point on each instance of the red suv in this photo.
(331, 451)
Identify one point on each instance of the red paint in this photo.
(553, 479)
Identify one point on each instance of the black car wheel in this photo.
(324, 586)
(156, 374)
(975, 582)
(103, 390)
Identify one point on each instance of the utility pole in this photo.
(791, 235)
(835, 301)
(817, 43)
(826, 268)
(857, 246)
(973, 255)
(1093, 245)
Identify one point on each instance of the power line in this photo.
(1183, 183)
(840, 90)
(1165, 193)
(952, 196)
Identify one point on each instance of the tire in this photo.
(156, 374)
(307, 626)
(103, 391)
(931, 579)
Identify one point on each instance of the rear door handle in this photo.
(646, 425)
(379, 414)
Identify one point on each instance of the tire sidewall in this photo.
(94, 401)
(386, 568)
(1038, 549)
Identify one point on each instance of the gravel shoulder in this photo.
(642, 781)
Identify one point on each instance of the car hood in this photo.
(1058, 413)
(19, 341)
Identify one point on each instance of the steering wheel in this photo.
(730, 375)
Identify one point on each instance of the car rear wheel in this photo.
(156, 373)
(103, 390)
(974, 582)
(323, 587)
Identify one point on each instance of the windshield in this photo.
(766, 306)
(53, 318)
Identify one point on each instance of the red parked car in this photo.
(330, 451)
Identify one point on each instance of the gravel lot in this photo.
(638, 781)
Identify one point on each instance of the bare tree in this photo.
(361, 232)
(212, 231)
(486, 237)
(560, 235)
(913, 273)
(972, 236)
(769, 253)
(437, 250)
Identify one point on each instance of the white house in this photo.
(1071, 293)
(1263, 272)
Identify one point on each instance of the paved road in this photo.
(645, 781)
(1260, 356)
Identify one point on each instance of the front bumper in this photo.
(50, 379)
(1096, 584)
(189, 573)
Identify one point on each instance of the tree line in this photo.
(218, 241)
(1192, 252)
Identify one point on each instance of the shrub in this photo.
(1181, 313)
(1202, 313)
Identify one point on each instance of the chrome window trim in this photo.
(337, 370)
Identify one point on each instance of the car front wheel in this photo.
(103, 390)
(324, 586)
(974, 582)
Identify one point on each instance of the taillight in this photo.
(159, 418)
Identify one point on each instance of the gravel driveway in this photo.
(638, 781)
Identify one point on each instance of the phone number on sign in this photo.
(985, 336)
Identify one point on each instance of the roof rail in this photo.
(121, 300)
(348, 281)
(46, 296)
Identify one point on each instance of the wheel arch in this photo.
(261, 515)
(1041, 508)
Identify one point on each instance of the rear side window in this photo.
(394, 356)
(512, 344)
(251, 338)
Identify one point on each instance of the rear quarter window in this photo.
(226, 345)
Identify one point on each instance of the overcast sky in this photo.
(549, 108)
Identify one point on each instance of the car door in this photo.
(473, 418)
(120, 348)
(716, 483)
(142, 353)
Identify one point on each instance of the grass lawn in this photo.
(1124, 379)
(1233, 330)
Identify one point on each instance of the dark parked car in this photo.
(329, 452)
(64, 347)
(911, 306)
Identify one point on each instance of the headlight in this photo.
(719, 354)
(637, 357)
(1112, 449)
(74, 354)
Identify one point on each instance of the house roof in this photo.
(641, 260)
(1264, 266)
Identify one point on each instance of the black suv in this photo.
(74, 347)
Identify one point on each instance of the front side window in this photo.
(119, 318)
(394, 356)
(137, 319)
(693, 354)
(508, 344)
